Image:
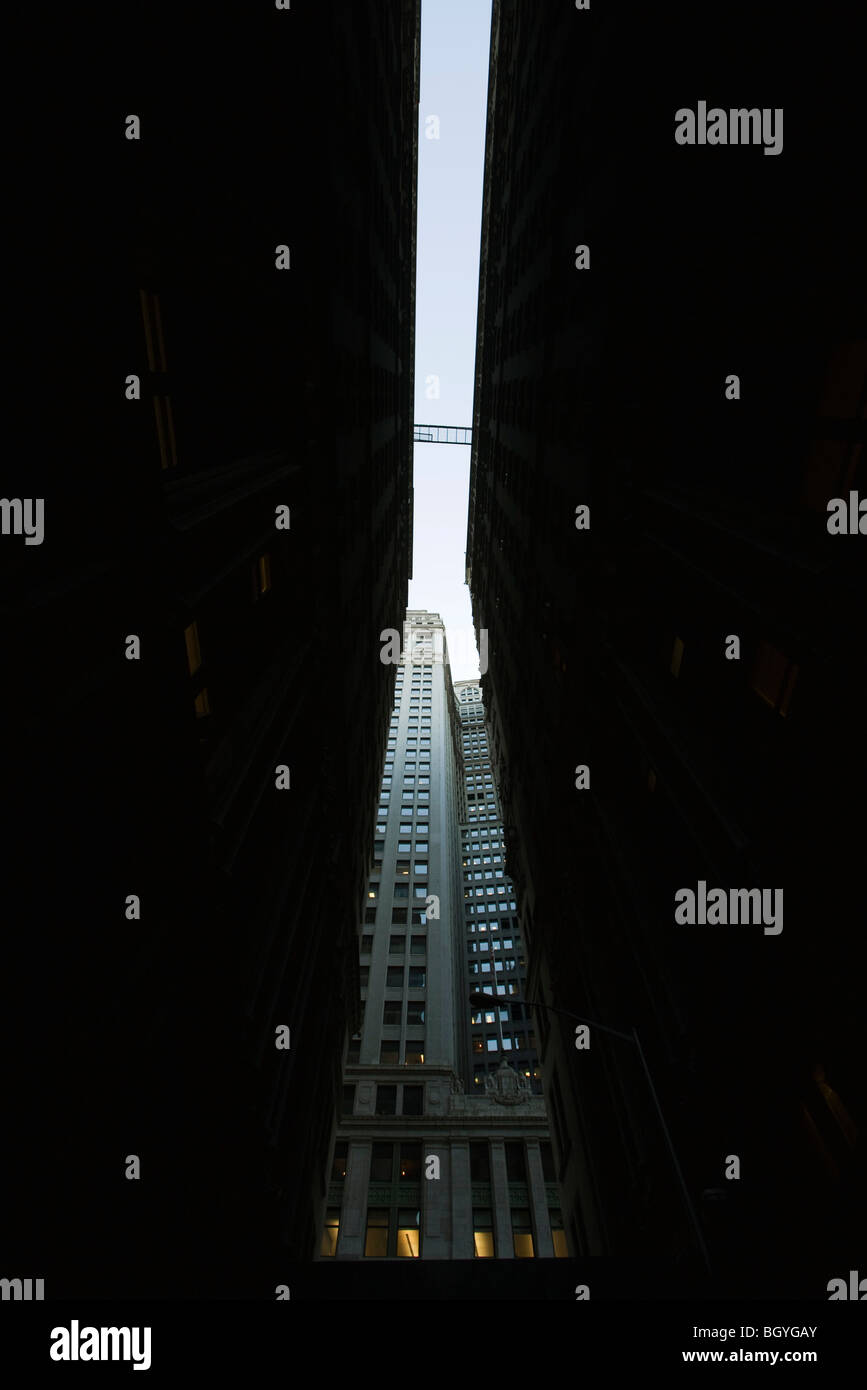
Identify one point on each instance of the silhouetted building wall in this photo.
(604, 380)
(245, 510)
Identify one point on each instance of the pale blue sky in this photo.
(455, 39)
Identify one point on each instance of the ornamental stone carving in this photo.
(507, 1087)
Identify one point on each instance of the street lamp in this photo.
(480, 998)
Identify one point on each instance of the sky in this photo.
(455, 38)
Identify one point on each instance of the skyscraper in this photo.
(435, 1156)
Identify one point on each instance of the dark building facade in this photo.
(225, 461)
(695, 378)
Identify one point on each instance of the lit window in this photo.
(194, 654)
(522, 1233)
(483, 1232)
(676, 656)
(202, 704)
(773, 677)
(376, 1238)
(330, 1232)
(408, 1235)
(263, 574)
(558, 1235)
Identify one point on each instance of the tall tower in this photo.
(422, 1166)
(495, 958)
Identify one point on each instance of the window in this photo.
(676, 656)
(410, 1162)
(397, 945)
(548, 1172)
(338, 1166)
(415, 1052)
(347, 1102)
(483, 1232)
(420, 869)
(401, 890)
(522, 1233)
(366, 945)
(194, 654)
(417, 976)
(369, 915)
(386, 1100)
(262, 575)
(417, 945)
(381, 1163)
(391, 1011)
(408, 1235)
(389, 1052)
(402, 866)
(398, 916)
(516, 1167)
(394, 977)
(330, 1232)
(420, 847)
(558, 1235)
(773, 677)
(413, 1098)
(420, 890)
(480, 1163)
(364, 973)
(376, 1238)
(414, 1013)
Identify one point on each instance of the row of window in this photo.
(396, 944)
(392, 1013)
(394, 1230)
(507, 966)
(394, 974)
(402, 1162)
(517, 1041)
(399, 916)
(401, 891)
